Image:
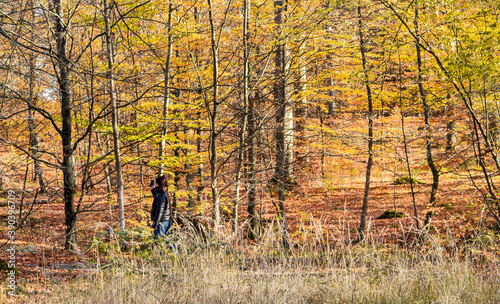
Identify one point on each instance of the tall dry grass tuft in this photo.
(319, 268)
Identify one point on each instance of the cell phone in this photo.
(152, 183)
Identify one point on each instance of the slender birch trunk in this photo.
(34, 137)
(303, 100)
(213, 113)
(114, 113)
(189, 176)
(177, 179)
(166, 95)
(244, 118)
(200, 169)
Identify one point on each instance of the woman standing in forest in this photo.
(161, 213)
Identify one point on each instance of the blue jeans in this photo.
(162, 229)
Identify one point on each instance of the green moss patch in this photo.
(390, 214)
(405, 180)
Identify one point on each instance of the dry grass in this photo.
(316, 270)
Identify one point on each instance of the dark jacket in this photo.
(161, 210)
(155, 191)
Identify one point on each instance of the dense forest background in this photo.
(258, 112)
(316, 151)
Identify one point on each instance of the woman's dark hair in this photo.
(162, 183)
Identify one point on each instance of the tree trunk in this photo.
(166, 96)
(362, 48)
(214, 112)
(34, 137)
(303, 102)
(189, 185)
(68, 163)
(107, 173)
(332, 105)
(114, 114)
(244, 118)
(451, 136)
(177, 179)
(200, 187)
(405, 144)
(284, 117)
(284, 113)
(136, 125)
(428, 146)
(252, 165)
(323, 145)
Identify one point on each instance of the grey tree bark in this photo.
(166, 95)
(302, 90)
(35, 139)
(451, 136)
(189, 177)
(244, 118)
(284, 115)
(252, 166)
(200, 171)
(114, 113)
(214, 113)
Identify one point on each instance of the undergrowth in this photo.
(194, 267)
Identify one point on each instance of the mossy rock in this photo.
(405, 180)
(446, 206)
(388, 214)
(5, 267)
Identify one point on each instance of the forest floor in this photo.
(327, 199)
